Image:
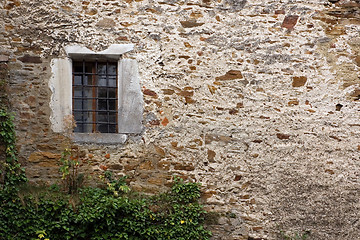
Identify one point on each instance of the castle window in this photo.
(101, 90)
(95, 97)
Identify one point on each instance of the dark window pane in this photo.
(77, 79)
(78, 67)
(112, 69)
(77, 91)
(101, 81)
(112, 128)
(87, 80)
(102, 117)
(89, 67)
(112, 81)
(78, 116)
(112, 117)
(112, 92)
(78, 128)
(101, 69)
(112, 105)
(88, 128)
(102, 104)
(88, 117)
(88, 104)
(77, 104)
(102, 92)
(88, 92)
(103, 128)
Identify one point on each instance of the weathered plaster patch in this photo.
(130, 97)
(61, 98)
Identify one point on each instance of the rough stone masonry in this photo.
(257, 100)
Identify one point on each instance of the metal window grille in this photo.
(95, 96)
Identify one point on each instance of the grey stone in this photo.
(233, 5)
(324, 40)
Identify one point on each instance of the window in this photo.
(101, 90)
(95, 96)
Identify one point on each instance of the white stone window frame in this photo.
(130, 99)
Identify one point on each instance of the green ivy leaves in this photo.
(10, 169)
(97, 214)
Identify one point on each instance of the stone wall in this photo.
(257, 100)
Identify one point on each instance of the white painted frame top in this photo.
(113, 52)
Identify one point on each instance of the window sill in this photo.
(99, 138)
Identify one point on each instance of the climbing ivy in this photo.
(11, 172)
(96, 213)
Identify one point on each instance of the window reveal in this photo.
(95, 96)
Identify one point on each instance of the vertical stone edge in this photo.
(60, 84)
(130, 97)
